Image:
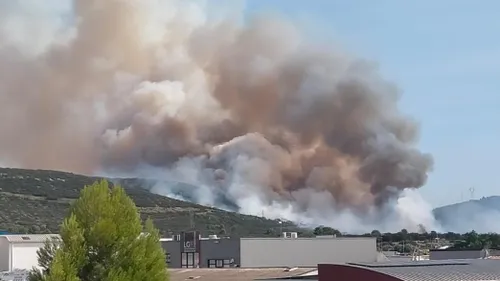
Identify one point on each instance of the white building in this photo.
(20, 251)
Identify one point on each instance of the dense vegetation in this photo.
(404, 241)
(102, 238)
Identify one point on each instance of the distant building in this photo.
(459, 254)
(189, 250)
(18, 252)
(17, 275)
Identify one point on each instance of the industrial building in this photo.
(458, 254)
(189, 250)
(18, 252)
(459, 270)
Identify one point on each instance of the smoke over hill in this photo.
(251, 111)
(479, 215)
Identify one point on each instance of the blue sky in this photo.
(445, 56)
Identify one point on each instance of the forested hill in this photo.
(36, 201)
(480, 215)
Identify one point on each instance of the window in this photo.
(196, 259)
(183, 260)
(167, 257)
(190, 260)
(25, 238)
(220, 263)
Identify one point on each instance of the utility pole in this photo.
(471, 190)
(191, 220)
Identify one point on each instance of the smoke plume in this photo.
(247, 110)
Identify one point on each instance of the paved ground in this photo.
(231, 274)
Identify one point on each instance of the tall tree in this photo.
(376, 233)
(103, 239)
(326, 230)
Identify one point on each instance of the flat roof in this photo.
(233, 274)
(460, 250)
(310, 238)
(30, 238)
(438, 270)
(409, 263)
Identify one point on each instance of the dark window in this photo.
(196, 259)
(190, 260)
(220, 263)
(167, 257)
(183, 260)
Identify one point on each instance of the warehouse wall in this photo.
(222, 249)
(305, 252)
(4, 254)
(173, 248)
(455, 254)
(24, 255)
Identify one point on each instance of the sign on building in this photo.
(190, 241)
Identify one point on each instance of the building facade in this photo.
(306, 252)
(287, 251)
(459, 254)
(19, 252)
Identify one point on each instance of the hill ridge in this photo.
(476, 214)
(36, 201)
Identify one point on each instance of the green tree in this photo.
(326, 230)
(472, 239)
(103, 239)
(376, 233)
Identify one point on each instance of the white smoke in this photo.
(249, 112)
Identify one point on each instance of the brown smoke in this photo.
(261, 110)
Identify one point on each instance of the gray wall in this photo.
(306, 252)
(174, 249)
(458, 254)
(219, 249)
(4, 254)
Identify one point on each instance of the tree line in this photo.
(467, 240)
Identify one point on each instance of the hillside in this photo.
(480, 215)
(36, 201)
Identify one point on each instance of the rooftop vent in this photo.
(290, 235)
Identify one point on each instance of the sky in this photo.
(445, 57)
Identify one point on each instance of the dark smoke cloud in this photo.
(252, 110)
